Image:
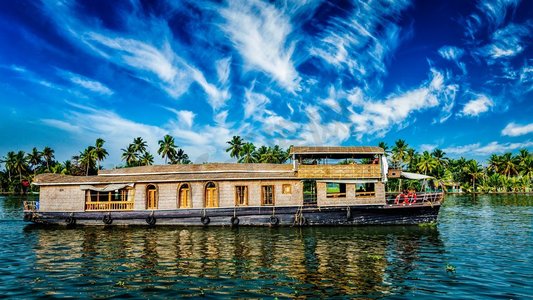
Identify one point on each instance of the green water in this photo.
(488, 240)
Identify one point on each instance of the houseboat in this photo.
(322, 186)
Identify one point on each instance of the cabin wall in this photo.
(350, 199)
(61, 199)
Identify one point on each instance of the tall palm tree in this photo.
(34, 159)
(99, 151)
(280, 155)
(167, 148)
(129, 155)
(140, 145)
(494, 163)
(88, 159)
(180, 158)
(9, 161)
(247, 153)
(67, 168)
(48, 155)
(385, 148)
(474, 171)
(235, 148)
(427, 163)
(412, 159)
(146, 159)
(508, 164)
(262, 155)
(399, 153)
(20, 164)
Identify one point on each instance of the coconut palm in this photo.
(508, 165)
(34, 159)
(167, 148)
(20, 163)
(129, 155)
(385, 148)
(427, 163)
(494, 163)
(48, 156)
(262, 155)
(67, 168)
(180, 158)
(99, 151)
(140, 145)
(88, 159)
(247, 153)
(474, 171)
(146, 159)
(399, 153)
(235, 148)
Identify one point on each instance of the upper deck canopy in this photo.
(335, 152)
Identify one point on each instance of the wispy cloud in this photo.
(475, 107)
(451, 53)
(513, 129)
(506, 42)
(261, 34)
(89, 84)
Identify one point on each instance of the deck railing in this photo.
(119, 205)
(420, 199)
(339, 171)
(31, 205)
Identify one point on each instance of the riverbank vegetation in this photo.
(507, 172)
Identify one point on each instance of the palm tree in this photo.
(99, 151)
(427, 163)
(235, 148)
(48, 155)
(508, 164)
(180, 158)
(473, 170)
(167, 148)
(129, 155)
(9, 161)
(146, 159)
(412, 158)
(385, 148)
(88, 159)
(494, 163)
(247, 153)
(34, 159)
(261, 155)
(67, 168)
(140, 145)
(20, 164)
(399, 153)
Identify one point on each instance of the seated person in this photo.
(411, 195)
(402, 196)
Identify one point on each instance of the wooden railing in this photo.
(339, 171)
(336, 195)
(31, 205)
(420, 199)
(365, 194)
(119, 205)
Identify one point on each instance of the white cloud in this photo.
(427, 147)
(506, 42)
(91, 85)
(513, 129)
(260, 32)
(490, 148)
(477, 106)
(451, 53)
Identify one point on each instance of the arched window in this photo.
(211, 195)
(151, 197)
(184, 196)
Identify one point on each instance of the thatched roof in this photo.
(326, 150)
(174, 173)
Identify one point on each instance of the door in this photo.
(184, 196)
(309, 191)
(151, 197)
(211, 196)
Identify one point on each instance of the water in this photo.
(488, 240)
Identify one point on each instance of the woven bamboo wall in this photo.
(61, 198)
(350, 199)
(339, 171)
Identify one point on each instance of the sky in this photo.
(454, 75)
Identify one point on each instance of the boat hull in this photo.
(249, 216)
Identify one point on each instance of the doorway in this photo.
(309, 191)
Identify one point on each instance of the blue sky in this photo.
(457, 75)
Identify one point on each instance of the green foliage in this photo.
(246, 152)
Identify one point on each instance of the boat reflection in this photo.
(317, 261)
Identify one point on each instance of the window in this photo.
(335, 190)
(108, 200)
(211, 195)
(267, 195)
(184, 196)
(241, 195)
(365, 189)
(286, 189)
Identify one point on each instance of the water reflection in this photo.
(281, 262)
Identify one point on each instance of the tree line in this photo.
(502, 173)
(20, 167)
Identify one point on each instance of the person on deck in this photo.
(402, 195)
(411, 196)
